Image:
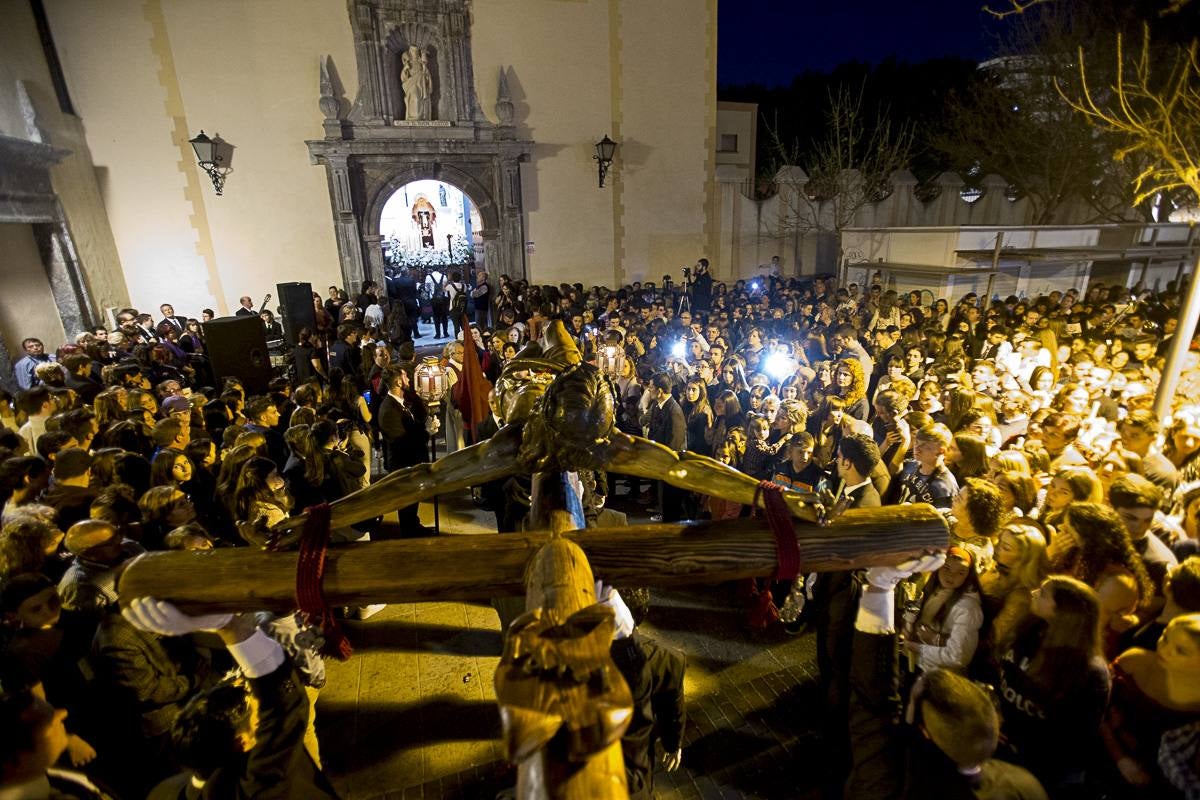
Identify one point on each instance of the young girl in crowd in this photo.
(944, 630)
(760, 456)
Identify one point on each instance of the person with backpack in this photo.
(436, 285)
(458, 300)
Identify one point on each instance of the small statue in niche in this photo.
(424, 217)
(417, 83)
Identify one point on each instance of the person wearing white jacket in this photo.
(945, 631)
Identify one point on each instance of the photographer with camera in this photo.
(699, 282)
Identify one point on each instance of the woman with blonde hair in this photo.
(1008, 461)
(1019, 567)
(851, 385)
(1049, 343)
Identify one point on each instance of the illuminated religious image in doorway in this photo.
(428, 222)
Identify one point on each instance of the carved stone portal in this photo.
(415, 117)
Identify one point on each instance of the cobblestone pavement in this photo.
(413, 713)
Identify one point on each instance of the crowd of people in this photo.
(1053, 650)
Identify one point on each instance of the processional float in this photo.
(563, 703)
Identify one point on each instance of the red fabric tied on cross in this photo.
(787, 552)
(762, 611)
(310, 572)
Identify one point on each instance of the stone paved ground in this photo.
(413, 713)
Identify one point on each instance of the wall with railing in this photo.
(761, 219)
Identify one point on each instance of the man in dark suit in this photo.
(857, 456)
(170, 322)
(666, 426)
(142, 330)
(402, 421)
(246, 307)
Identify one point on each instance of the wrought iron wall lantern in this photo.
(215, 157)
(606, 148)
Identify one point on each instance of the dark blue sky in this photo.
(770, 41)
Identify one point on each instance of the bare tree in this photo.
(1156, 117)
(1013, 7)
(848, 168)
(1013, 121)
(1013, 124)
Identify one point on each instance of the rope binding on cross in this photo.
(787, 551)
(310, 572)
(762, 610)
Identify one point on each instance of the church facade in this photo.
(331, 106)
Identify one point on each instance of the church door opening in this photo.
(428, 223)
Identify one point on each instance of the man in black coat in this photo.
(79, 380)
(262, 416)
(403, 421)
(666, 426)
(701, 285)
(403, 288)
(345, 354)
(834, 599)
(655, 676)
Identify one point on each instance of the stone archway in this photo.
(380, 192)
(370, 148)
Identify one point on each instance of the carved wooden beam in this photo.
(485, 566)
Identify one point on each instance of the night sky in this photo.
(770, 41)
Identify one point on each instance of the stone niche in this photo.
(416, 117)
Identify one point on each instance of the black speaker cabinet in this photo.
(296, 309)
(237, 347)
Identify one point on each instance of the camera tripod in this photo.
(685, 303)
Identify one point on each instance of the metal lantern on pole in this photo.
(610, 360)
(431, 382)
